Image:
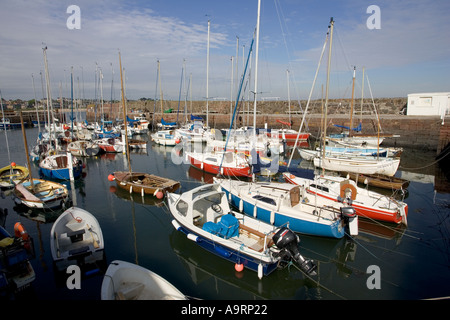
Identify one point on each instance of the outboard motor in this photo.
(350, 219)
(287, 241)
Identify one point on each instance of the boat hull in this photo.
(362, 206)
(387, 166)
(144, 183)
(215, 168)
(230, 254)
(332, 230)
(76, 236)
(42, 198)
(127, 281)
(8, 179)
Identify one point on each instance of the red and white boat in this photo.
(288, 134)
(367, 203)
(111, 145)
(227, 164)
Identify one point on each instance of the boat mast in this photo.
(351, 107)
(256, 68)
(35, 104)
(160, 88)
(362, 97)
(327, 89)
(26, 151)
(289, 96)
(124, 114)
(207, 77)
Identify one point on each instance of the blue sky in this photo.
(410, 53)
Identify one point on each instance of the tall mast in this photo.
(289, 95)
(362, 96)
(207, 77)
(327, 88)
(124, 114)
(256, 67)
(351, 107)
(160, 89)
(231, 90)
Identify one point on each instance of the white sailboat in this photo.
(349, 163)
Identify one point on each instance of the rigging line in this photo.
(310, 94)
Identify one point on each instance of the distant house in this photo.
(429, 104)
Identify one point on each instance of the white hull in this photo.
(75, 234)
(370, 165)
(128, 281)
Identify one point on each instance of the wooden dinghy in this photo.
(128, 281)
(144, 183)
(41, 194)
(378, 180)
(12, 174)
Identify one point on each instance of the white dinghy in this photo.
(128, 281)
(76, 237)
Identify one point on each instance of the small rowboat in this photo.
(128, 281)
(12, 174)
(144, 183)
(76, 236)
(41, 194)
(379, 180)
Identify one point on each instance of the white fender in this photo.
(241, 205)
(176, 225)
(260, 271)
(272, 217)
(192, 237)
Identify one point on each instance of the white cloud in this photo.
(142, 37)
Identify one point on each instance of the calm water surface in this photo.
(413, 262)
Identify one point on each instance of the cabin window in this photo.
(265, 199)
(211, 159)
(182, 207)
(320, 187)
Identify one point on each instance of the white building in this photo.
(429, 104)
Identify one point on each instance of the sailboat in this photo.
(349, 163)
(368, 204)
(139, 182)
(83, 148)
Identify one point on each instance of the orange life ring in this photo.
(344, 188)
(20, 232)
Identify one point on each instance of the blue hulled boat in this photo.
(204, 215)
(56, 167)
(280, 204)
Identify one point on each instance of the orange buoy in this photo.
(159, 195)
(20, 232)
(13, 164)
(238, 267)
(111, 177)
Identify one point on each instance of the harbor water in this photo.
(384, 261)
